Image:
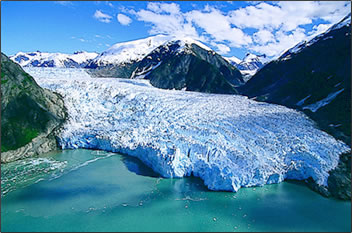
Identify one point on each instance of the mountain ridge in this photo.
(249, 65)
(78, 59)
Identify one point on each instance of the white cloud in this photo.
(124, 19)
(102, 17)
(277, 25)
(109, 4)
(263, 37)
(218, 27)
(280, 26)
(221, 48)
(283, 41)
(157, 7)
(317, 29)
(166, 19)
(288, 15)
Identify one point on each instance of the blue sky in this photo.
(230, 28)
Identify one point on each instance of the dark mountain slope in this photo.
(313, 77)
(179, 65)
(29, 114)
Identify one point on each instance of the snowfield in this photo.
(39, 59)
(229, 141)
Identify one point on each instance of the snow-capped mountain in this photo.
(169, 63)
(250, 64)
(229, 141)
(314, 77)
(129, 52)
(189, 65)
(39, 59)
(122, 58)
(233, 60)
(345, 22)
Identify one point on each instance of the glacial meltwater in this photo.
(86, 190)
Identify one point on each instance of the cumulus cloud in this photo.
(124, 19)
(282, 42)
(262, 27)
(221, 48)
(218, 27)
(263, 37)
(166, 18)
(287, 15)
(317, 29)
(279, 26)
(102, 17)
(171, 8)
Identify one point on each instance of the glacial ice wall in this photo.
(229, 141)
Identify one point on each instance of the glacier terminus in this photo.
(229, 141)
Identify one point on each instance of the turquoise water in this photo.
(85, 190)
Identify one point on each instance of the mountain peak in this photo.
(129, 51)
(188, 41)
(39, 59)
(136, 50)
(346, 21)
(250, 64)
(253, 57)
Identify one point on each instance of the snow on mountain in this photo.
(131, 51)
(229, 141)
(321, 103)
(184, 41)
(233, 60)
(39, 59)
(136, 50)
(250, 64)
(184, 63)
(303, 44)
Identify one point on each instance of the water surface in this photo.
(85, 190)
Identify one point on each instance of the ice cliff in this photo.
(229, 141)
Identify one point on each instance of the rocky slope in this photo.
(314, 77)
(79, 59)
(189, 65)
(29, 114)
(169, 63)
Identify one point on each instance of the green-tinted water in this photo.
(84, 190)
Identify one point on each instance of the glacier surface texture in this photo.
(229, 141)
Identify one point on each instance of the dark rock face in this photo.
(339, 181)
(315, 77)
(299, 80)
(191, 68)
(253, 63)
(112, 70)
(29, 114)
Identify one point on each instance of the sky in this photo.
(231, 28)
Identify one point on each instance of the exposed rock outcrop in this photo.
(29, 114)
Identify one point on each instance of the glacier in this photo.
(229, 141)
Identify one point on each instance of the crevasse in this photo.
(229, 141)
